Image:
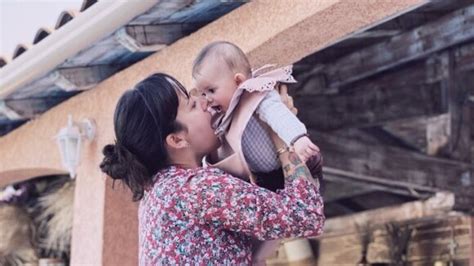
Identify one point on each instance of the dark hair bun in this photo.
(121, 164)
(110, 164)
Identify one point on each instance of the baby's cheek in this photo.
(215, 99)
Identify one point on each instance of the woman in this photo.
(189, 213)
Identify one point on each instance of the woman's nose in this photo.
(204, 102)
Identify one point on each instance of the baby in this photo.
(223, 76)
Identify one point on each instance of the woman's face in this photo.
(200, 135)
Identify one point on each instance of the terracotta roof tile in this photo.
(65, 17)
(42, 33)
(20, 48)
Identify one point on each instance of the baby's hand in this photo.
(305, 148)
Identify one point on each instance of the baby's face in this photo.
(215, 82)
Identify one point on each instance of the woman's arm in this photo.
(291, 163)
(230, 203)
(224, 201)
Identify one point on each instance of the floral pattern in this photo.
(204, 216)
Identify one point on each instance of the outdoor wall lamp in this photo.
(70, 139)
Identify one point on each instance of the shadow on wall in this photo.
(20, 175)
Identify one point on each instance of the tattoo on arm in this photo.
(287, 168)
(296, 168)
(302, 171)
(294, 158)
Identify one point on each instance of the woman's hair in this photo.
(143, 118)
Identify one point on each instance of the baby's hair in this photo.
(230, 53)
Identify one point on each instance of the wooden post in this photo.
(459, 144)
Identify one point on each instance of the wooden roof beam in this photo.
(412, 91)
(8, 112)
(82, 78)
(32, 107)
(458, 85)
(450, 30)
(395, 168)
(352, 185)
(376, 34)
(464, 57)
(146, 38)
(337, 189)
(370, 106)
(440, 204)
(447, 134)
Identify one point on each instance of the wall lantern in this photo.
(70, 139)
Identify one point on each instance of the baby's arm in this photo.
(286, 125)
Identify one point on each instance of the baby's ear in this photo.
(239, 78)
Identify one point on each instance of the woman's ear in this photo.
(177, 141)
(239, 78)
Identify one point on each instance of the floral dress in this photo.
(204, 216)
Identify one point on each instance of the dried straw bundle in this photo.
(16, 234)
(54, 220)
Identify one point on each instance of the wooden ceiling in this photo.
(391, 108)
